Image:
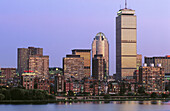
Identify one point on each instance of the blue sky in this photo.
(59, 26)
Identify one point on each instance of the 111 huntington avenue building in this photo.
(125, 44)
(100, 57)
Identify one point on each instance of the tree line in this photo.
(23, 94)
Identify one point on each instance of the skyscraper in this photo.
(100, 46)
(29, 59)
(39, 65)
(98, 67)
(86, 54)
(125, 43)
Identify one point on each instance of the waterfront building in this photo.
(7, 75)
(98, 67)
(23, 57)
(113, 87)
(152, 78)
(42, 84)
(100, 46)
(73, 66)
(165, 62)
(91, 86)
(59, 83)
(86, 54)
(68, 85)
(16, 80)
(27, 80)
(77, 87)
(125, 43)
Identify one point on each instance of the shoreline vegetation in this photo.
(23, 96)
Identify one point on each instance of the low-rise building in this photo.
(113, 87)
(152, 78)
(59, 83)
(42, 84)
(7, 75)
(27, 80)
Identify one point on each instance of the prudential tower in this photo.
(125, 43)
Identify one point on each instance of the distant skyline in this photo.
(60, 26)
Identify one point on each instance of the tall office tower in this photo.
(138, 61)
(100, 46)
(98, 67)
(73, 66)
(125, 43)
(39, 65)
(23, 57)
(86, 54)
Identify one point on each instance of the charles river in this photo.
(93, 106)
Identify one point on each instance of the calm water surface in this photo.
(93, 106)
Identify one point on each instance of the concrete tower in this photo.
(100, 46)
(125, 43)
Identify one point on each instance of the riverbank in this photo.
(76, 100)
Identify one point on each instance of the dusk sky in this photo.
(58, 26)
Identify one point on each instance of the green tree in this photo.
(141, 90)
(51, 97)
(154, 95)
(17, 94)
(70, 93)
(122, 88)
(2, 96)
(106, 96)
(129, 88)
(7, 94)
(165, 95)
(39, 95)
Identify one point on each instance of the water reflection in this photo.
(154, 102)
(93, 106)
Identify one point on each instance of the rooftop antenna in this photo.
(125, 4)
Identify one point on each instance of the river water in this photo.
(93, 106)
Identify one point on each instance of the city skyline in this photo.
(27, 31)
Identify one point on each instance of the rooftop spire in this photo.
(125, 4)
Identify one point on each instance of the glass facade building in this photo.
(100, 46)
